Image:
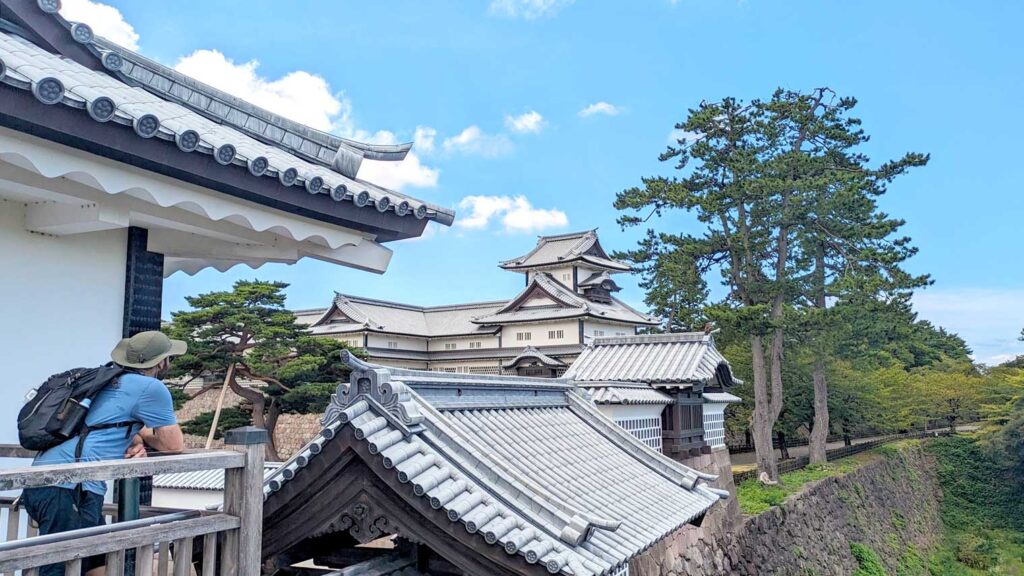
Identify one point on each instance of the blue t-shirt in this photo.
(133, 397)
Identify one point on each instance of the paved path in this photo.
(745, 459)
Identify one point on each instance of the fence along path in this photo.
(226, 543)
(834, 454)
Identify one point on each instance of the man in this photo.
(138, 396)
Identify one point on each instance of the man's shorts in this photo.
(59, 510)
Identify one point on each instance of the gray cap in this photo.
(146, 349)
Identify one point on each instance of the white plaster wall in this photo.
(186, 499)
(609, 329)
(404, 342)
(539, 334)
(462, 342)
(61, 305)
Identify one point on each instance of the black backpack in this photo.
(57, 410)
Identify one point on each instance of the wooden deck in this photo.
(216, 543)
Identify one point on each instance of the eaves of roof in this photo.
(211, 154)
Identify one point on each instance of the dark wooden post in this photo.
(143, 300)
(243, 497)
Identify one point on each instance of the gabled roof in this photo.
(567, 304)
(603, 279)
(532, 356)
(356, 314)
(286, 165)
(566, 249)
(528, 464)
(623, 393)
(661, 360)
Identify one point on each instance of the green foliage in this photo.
(982, 507)
(178, 397)
(229, 418)
(911, 563)
(979, 491)
(309, 398)
(868, 563)
(976, 551)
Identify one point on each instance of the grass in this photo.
(755, 498)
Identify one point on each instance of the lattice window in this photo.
(621, 570)
(485, 370)
(647, 430)
(392, 344)
(556, 334)
(714, 429)
(520, 336)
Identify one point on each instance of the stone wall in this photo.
(293, 431)
(727, 514)
(891, 506)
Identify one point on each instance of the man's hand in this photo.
(137, 449)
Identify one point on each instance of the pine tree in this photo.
(247, 333)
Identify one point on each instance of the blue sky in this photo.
(529, 116)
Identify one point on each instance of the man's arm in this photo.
(166, 439)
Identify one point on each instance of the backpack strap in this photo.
(80, 445)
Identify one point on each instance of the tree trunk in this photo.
(783, 449)
(762, 421)
(819, 432)
(817, 449)
(259, 418)
(272, 413)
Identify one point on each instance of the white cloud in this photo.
(104, 20)
(475, 142)
(989, 319)
(527, 123)
(516, 214)
(410, 172)
(424, 139)
(600, 108)
(676, 135)
(527, 9)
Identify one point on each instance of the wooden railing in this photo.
(220, 543)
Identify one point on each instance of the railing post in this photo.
(243, 497)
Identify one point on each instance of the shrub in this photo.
(976, 551)
(868, 563)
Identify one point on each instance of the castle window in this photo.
(476, 344)
(392, 344)
(523, 336)
(449, 345)
(598, 333)
(556, 334)
(566, 277)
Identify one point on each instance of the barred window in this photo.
(647, 430)
(521, 336)
(556, 334)
(714, 429)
